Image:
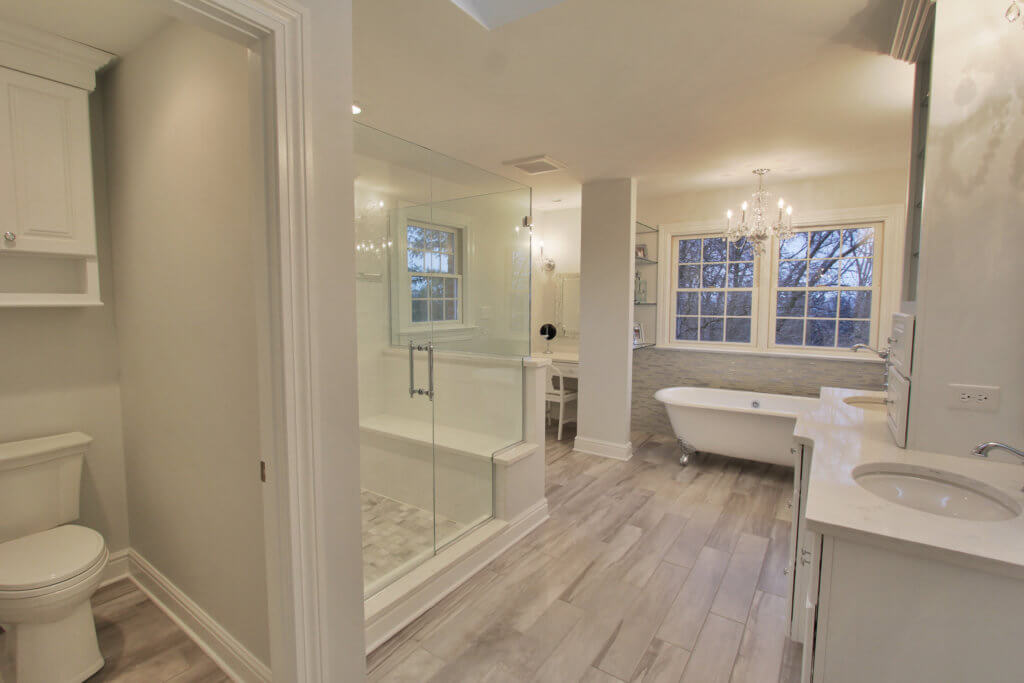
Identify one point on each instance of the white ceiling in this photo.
(115, 26)
(682, 95)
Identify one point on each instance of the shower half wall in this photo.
(451, 406)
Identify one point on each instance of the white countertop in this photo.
(844, 436)
(560, 356)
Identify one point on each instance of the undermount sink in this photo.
(936, 491)
(865, 402)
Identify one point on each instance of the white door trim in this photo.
(278, 34)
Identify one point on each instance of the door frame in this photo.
(309, 617)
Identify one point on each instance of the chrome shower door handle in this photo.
(412, 372)
(413, 390)
(430, 370)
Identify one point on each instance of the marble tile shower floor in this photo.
(397, 536)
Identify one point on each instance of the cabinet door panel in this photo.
(46, 174)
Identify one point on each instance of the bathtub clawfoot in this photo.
(687, 450)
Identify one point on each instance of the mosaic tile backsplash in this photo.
(655, 369)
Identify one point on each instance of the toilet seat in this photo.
(50, 559)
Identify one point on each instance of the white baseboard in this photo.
(394, 607)
(231, 656)
(605, 449)
(117, 567)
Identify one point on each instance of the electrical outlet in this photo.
(973, 397)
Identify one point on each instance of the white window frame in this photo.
(886, 299)
(401, 300)
(875, 288)
(407, 275)
(673, 263)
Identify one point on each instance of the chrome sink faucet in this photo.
(982, 449)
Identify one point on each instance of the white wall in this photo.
(970, 316)
(560, 232)
(59, 373)
(333, 334)
(606, 317)
(180, 187)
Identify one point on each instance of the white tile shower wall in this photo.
(655, 369)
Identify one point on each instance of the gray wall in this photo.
(655, 369)
(178, 153)
(59, 373)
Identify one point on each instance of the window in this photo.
(714, 290)
(816, 291)
(825, 288)
(434, 264)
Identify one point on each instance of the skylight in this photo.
(494, 13)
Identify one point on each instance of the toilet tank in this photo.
(40, 480)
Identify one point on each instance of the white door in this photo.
(46, 203)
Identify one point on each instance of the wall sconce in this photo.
(547, 264)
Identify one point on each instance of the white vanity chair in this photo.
(48, 569)
(557, 393)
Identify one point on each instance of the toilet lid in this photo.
(48, 557)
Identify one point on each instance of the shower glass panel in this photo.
(443, 314)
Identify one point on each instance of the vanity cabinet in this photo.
(47, 215)
(893, 614)
(878, 610)
(802, 544)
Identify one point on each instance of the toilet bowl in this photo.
(46, 580)
(49, 568)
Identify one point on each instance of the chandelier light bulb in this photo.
(782, 202)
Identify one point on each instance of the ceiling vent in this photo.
(536, 165)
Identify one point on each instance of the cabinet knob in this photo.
(9, 236)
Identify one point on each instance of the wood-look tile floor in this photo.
(646, 571)
(140, 643)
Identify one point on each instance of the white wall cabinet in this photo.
(46, 202)
(47, 214)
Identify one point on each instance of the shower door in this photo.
(443, 267)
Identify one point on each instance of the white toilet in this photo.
(48, 569)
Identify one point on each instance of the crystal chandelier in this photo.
(1013, 12)
(758, 221)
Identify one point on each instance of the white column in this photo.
(606, 317)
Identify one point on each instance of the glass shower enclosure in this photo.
(443, 305)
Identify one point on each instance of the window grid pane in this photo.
(714, 290)
(437, 292)
(824, 288)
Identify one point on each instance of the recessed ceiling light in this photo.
(356, 109)
(556, 201)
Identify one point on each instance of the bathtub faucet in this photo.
(883, 354)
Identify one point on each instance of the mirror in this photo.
(567, 304)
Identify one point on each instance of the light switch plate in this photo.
(974, 397)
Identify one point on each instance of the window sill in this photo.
(849, 356)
